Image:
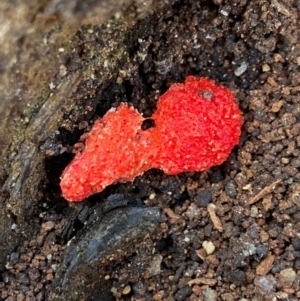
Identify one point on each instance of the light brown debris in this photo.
(263, 192)
(281, 8)
(171, 214)
(211, 208)
(265, 265)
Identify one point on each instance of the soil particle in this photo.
(183, 293)
(248, 208)
(28, 273)
(203, 198)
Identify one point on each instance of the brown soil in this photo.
(228, 233)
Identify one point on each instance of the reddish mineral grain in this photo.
(196, 126)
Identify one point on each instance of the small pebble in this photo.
(20, 297)
(238, 277)
(158, 296)
(193, 212)
(230, 190)
(288, 276)
(126, 290)
(241, 69)
(266, 68)
(254, 211)
(225, 11)
(14, 256)
(296, 243)
(48, 225)
(155, 265)
(210, 294)
(203, 198)
(183, 293)
(209, 247)
(139, 288)
(265, 284)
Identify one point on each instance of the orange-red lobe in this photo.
(198, 124)
(115, 151)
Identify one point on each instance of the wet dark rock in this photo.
(178, 273)
(261, 251)
(191, 270)
(183, 293)
(139, 288)
(230, 190)
(236, 277)
(239, 261)
(297, 264)
(203, 198)
(296, 243)
(276, 269)
(296, 254)
(117, 229)
(297, 216)
(217, 176)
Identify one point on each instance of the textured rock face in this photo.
(35, 86)
(31, 34)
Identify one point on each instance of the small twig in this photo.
(280, 8)
(211, 208)
(263, 192)
(171, 214)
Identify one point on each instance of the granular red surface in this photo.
(114, 151)
(196, 126)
